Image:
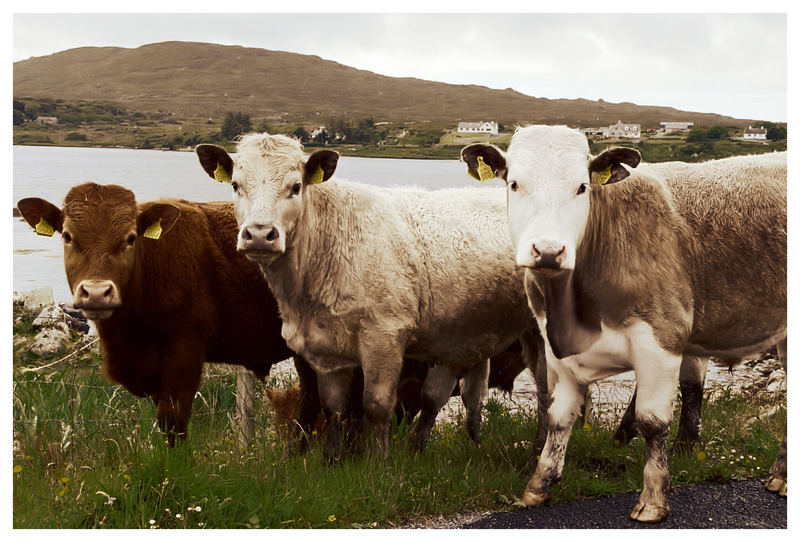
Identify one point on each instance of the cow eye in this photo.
(235, 186)
(514, 186)
(295, 189)
(131, 239)
(582, 188)
(67, 237)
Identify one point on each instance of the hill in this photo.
(201, 81)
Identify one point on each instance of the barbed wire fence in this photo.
(606, 400)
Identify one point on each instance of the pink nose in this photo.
(258, 237)
(97, 295)
(548, 254)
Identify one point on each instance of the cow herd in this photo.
(584, 266)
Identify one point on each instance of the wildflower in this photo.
(152, 522)
(587, 426)
(17, 468)
(701, 455)
(126, 476)
(177, 516)
(331, 518)
(198, 509)
(201, 524)
(64, 480)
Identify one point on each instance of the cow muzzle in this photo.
(548, 256)
(97, 299)
(260, 242)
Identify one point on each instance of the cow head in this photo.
(269, 178)
(549, 176)
(101, 227)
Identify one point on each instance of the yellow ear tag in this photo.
(317, 177)
(484, 170)
(220, 175)
(43, 228)
(603, 176)
(154, 231)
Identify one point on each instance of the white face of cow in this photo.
(548, 172)
(269, 180)
(548, 196)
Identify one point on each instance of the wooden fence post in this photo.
(245, 408)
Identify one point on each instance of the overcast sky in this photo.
(733, 64)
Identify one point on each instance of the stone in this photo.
(37, 299)
(50, 340)
(48, 317)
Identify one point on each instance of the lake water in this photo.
(49, 173)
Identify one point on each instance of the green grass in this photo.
(88, 454)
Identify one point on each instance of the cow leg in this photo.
(533, 354)
(692, 380)
(309, 406)
(436, 391)
(334, 392)
(627, 426)
(567, 398)
(777, 474)
(382, 361)
(179, 385)
(657, 373)
(474, 389)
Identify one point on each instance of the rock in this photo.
(50, 340)
(776, 381)
(48, 317)
(39, 298)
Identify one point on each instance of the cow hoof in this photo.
(530, 498)
(648, 513)
(776, 485)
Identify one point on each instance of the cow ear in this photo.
(320, 167)
(44, 217)
(156, 219)
(484, 161)
(606, 168)
(216, 161)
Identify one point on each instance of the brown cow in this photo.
(163, 306)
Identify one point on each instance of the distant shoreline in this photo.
(399, 153)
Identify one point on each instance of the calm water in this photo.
(49, 172)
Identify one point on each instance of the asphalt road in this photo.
(736, 505)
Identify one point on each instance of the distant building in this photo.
(755, 133)
(625, 130)
(668, 127)
(47, 120)
(486, 127)
(595, 132)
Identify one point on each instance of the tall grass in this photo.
(88, 454)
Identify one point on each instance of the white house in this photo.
(47, 120)
(620, 129)
(755, 133)
(486, 127)
(668, 127)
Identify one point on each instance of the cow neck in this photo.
(572, 324)
(309, 270)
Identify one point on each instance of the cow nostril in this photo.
(272, 235)
(535, 251)
(108, 292)
(246, 235)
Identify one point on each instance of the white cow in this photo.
(366, 276)
(675, 260)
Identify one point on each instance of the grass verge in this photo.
(87, 454)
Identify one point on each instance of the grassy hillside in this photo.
(201, 81)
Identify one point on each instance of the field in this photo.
(87, 454)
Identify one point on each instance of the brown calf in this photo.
(168, 291)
